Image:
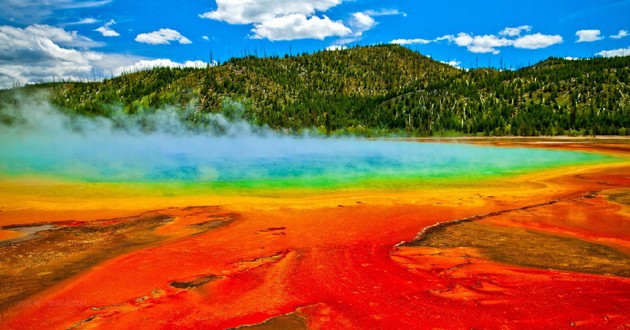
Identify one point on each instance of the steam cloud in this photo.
(37, 138)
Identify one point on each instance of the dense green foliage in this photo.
(379, 90)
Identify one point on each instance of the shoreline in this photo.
(605, 139)
(618, 146)
(111, 199)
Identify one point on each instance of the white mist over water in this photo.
(36, 138)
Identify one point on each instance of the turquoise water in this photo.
(258, 162)
(41, 141)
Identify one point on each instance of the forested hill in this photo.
(379, 90)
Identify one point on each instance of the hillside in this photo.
(379, 90)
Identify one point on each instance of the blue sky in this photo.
(91, 39)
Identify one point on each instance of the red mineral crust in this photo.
(538, 251)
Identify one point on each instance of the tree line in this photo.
(378, 90)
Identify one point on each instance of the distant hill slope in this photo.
(380, 90)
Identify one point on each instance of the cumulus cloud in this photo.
(295, 19)
(29, 11)
(298, 26)
(479, 44)
(454, 63)
(162, 37)
(43, 53)
(515, 31)
(588, 35)
(107, 31)
(336, 47)
(288, 19)
(490, 43)
(615, 52)
(621, 34)
(359, 23)
(417, 41)
(55, 34)
(255, 11)
(537, 41)
(40, 53)
(362, 21)
(159, 63)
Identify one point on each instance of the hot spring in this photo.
(100, 153)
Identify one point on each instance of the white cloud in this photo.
(516, 31)
(385, 12)
(298, 26)
(417, 41)
(615, 52)
(285, 19)
(162, 37)
(57, 35)
(205, 38)
(359, 23)
(85, 21)
(454, 63)
(159, 63)
(107, 31)
(29, 11)
(588, 35)
(621, 34)
(336, 47)
(490, 43)
(362, 21)
(41, 52)
(291, 19)
(447, 37)
(256, 11)
(479, 44)
(537, 41)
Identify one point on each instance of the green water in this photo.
(251, 163)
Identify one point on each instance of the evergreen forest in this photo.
(375, 91)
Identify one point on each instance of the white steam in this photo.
(163, 146)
